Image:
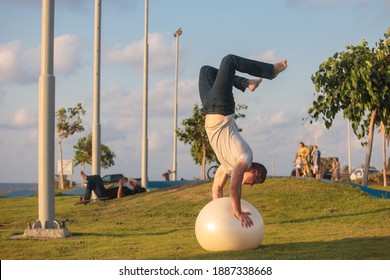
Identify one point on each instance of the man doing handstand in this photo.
(234, 154)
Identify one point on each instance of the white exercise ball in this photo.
(217, 229)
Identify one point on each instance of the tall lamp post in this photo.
(176, 34)
(46, 226)
(96, 130)
(145, 180)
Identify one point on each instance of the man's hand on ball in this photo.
(244, 218)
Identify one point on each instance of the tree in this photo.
(68, 123)
(345, 169)
(83, 153)
(195, 135)
(356, 82)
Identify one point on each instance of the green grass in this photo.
(304, 219)
(380, 187)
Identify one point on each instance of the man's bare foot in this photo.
(254, 83)
(83, 175)
(280, 67)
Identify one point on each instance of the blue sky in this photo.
(306, 32)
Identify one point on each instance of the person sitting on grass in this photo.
(95, 184)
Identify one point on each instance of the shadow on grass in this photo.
(120, 235)
(334, 216)
(367, 248)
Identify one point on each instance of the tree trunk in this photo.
(82, 169)
(384, 154)
(203, 175)
(369, 147)
(61, 168)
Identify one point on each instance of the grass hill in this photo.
(304, 219)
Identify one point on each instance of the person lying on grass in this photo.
(95, 184)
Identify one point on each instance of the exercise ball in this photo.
(217, 229)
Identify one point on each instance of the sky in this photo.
(305, 32)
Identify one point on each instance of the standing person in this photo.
(335, 169)
(304, 152)
(298, 166)
(234, 154)
(166, 174)
(316, 158)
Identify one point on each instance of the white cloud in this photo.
(68, 50)
(19, 66)
(162, 97)
(24, 118)
(8, 56)
(14, 64)
(161, 53)
(279, 118)
(122, 109)
(268, 56)
(188, 96)
(130, 54)
(120, 106)
(159, 140)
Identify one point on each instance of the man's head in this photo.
(256, 174)
(133, 182)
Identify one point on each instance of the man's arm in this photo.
(120, 189)
(235, 193)
(220, 180)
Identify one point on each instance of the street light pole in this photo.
(46, 226)
(176, 34)
(145, 180)
(96, 133)
(46, 121)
